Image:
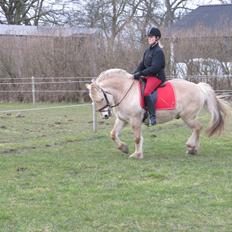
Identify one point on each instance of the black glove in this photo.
(137, 75)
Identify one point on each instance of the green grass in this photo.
(57, 175)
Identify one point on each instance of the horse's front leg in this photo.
(118, 126)
(138, 138)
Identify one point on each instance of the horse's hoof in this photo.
(192, 152)
(138, 155)
(123, 148)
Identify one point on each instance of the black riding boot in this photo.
(150, 104)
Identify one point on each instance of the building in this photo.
(45, 51)
(209, 17)
(200, 38)
(41, 52)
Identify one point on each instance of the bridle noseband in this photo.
(103, 109)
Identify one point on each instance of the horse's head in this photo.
(109, 90)
(100, 98)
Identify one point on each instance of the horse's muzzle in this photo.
(106, 113)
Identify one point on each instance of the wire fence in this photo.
(42, 108)
(36, 89)
(47, 89)
(90, 115)
(57, 89)
(70, 89)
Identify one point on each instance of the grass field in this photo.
(57, 175)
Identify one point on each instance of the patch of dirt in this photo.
(9, 151)
(19, 115)
(21, 169)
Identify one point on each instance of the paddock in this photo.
(58, 175)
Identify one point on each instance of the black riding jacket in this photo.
(153, 63)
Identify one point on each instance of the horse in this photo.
(116, 89)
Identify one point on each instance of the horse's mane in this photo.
(116, 72)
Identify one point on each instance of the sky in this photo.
(197, 3)
(192, 4)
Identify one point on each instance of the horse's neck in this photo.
(122, 91)
(116, 86)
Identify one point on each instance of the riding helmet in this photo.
(154, 32)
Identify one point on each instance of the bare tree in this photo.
(146, 16)
(226, 1)
(173, 10)
(112, 16)
(157, 13)
(27, 12)
(66, 12)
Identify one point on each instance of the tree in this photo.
(173, 10)
(24, 12)
(112, 16)
(67, 12)
(146, 16)
(226, 1)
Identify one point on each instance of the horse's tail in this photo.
(218, 109)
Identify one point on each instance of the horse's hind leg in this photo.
(193, 141)
(118, 126)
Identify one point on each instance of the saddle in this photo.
(164, 96)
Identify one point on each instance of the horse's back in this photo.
(184, 86)
(188, 94)
(182, 82)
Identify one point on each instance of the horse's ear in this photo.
(88, 86)
(94, 87)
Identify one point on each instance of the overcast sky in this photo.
(196, 3)
(192, 4)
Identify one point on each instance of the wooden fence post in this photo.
(94, 117)
(33, 89)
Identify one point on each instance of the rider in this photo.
(151, 68)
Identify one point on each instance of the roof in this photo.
(208, 16)
(22, 30)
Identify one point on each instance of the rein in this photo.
(107, 100)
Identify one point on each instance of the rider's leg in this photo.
(152, 84)
(151, 109)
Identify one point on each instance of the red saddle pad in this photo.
(166, 99)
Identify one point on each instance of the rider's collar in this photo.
(154, 44)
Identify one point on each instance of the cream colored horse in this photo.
(115, 88)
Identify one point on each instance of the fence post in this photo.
(33, 89)
(94, 117)
(172, 61)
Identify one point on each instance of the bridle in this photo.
(103, 109)
(108, 106)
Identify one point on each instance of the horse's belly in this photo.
(165, 115)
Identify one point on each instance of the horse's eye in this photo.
(102, 99)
